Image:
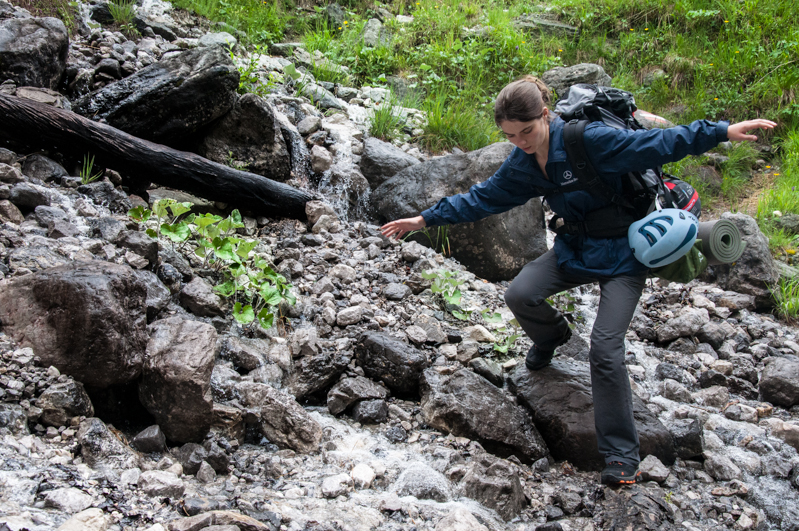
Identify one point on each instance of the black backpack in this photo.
(582, 104)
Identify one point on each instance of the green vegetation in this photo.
(386, 118)
(86, 175)
(786, 297)
(247, 279)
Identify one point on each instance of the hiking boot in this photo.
(617, 473)
(538, 358)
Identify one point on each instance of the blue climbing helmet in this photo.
(663, 237)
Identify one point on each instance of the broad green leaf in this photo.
(490, 317)
(243, 315)
(207, 219)
(266, 318)
(454, 297)
(180, 208)
(429, 275)
(223, 249)
(140, 214)
(151, 233)
(291, 299)
(177, 232)
(463, 316)
(291, 70)
(160, 207)
(226, 289)
(244, 248)
(270, 295)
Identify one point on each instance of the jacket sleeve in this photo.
(504, 190)
(616, 151)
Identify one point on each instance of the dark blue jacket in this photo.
(613, 152)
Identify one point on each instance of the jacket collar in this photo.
(522, 161)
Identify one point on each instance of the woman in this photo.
(538, 166)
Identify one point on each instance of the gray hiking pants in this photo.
(617, 438)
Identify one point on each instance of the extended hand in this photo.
(398, 228)
(738, 131)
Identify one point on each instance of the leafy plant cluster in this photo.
(248, 280)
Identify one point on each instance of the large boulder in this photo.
(559, 397)
(467, 405)
(314, 373)
(779, 383)
(494, 483)
(85, 318)
(396, 364)
(62, 401)
(281, 419)
(33, 51)
(251, 134)
(755, 270)
(380, 161)
(495, 248)
(170, 99)
(562, 77)
(350, 390)
(176, 378)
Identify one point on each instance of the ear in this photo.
(545, 113)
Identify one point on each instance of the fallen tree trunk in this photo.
(41, 126)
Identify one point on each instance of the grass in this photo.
(386, 118)
(786, 297)
(122, 11)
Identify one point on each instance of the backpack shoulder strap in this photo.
(585, 172)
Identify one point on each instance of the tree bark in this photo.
(41, 126)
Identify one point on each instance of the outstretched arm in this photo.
(398, 228)
(738, 131)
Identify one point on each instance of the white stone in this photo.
(362, 475)
(460, 519)
(321, 159)
(349, 316)
(335, 486)
(723, 366)
(479, 333)
(89, 520)
(161, 483)
(206, 473)
(416, 334)
(653, 470)
(68, 499)
(130, 476)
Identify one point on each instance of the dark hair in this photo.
(523, 100)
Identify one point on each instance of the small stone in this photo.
(653, 470)
(206, 473)
(349, 316)
(480, 334)
(335, 486)
(362, 475)
(416, 334)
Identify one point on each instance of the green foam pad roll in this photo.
(721, 241)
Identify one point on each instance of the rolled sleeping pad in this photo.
(721, 241)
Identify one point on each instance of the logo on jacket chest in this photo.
(568, 178)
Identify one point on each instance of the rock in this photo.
(489, 370)
(350, 390)
(467, 405)
(345, 273)
(250, 133)
(316, 209)
(675, 391)
(218, 518)
(161, 483)
(10, 213)
(754, 271)
(494, 483)
(687, 323)
(536, 25)
(559, 397)
(69, 500)
(313, 373)
(176, 378)
(206, 474)
(416, 335)
(459, 519)
(102, 449)
(653, 470)
(104, 193)
(149, 440)
(720, 467)
(140, 243)
(200, 299)
(335, 486)
(10, 174)
(191, 456)
(396, 364)
(28, 196)
(158, 295)
(85, 318)
(560, 78)
(374, 34)
(349, 316)
(34, 258)
(370, 411)
(62, 401)
(322, 97)
(421, 481)
(687, 436)
(13, 418)
(33, 51)
(321, 159)
(495, 248)
(779, 382)
(381, 161)
(396, 292)
(309, 124)
(43, 168)
(281, 419)
(362, 475)
(168, 100)
(89, 520)
(715, 396)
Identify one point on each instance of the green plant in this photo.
(248, 279)
(386, 119)
(86, 175)
(231, 161)
(250, 80)
(508, 337)
(446, 286)
(441, 242)
(667, 498)
(122, 11)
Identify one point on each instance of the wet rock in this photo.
(170, 99)
(715, 396)
(158, 295)
(467, 405)
(161, 483)
(720, 467)
(10, 213)
(335, 486)
(560, 78)
(350, 390)
(13, 418)
(149, 440)
(321, 159)
(85, 318)
(33, 51)
(10, 174)
(653, 470)
(494, 483)
(396, 364)
(559, 397)
(637, 508)
(102, 449)
(69, 500)
(362, 476)
(104, 193)
(43, 168)
(27, 196)
(206, 474)
(316, 209)
(176, 378)
(62, 401)
(281, 419)
(687, 435)
(779, 382)
(199, 298)
(396, 434)
(314, 373)
(322, 97)
(370, 411)
(381, 161)
(140, 243)
(423, 482)
(495, 248)
(250, 133)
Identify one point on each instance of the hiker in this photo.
(538, 167)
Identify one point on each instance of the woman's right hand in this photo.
(398, 228)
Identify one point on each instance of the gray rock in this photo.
(13, 417)
(26, 195)
(10, 213)
(191, 456)
(34, 258)
(245, 353)
(62, 401)
(176, 377)
(779, 382)
(495, 248)
(281, 419)
(488, 369)
(158, 295)
(33, 51)
(104, 193)
(460, 519)
(69, 500)
(561, 78)
(170, 99)
(687, 436)
(381, 161)
(161, 483)
(149, 440)
(396, 364)
(107, 228)
(206, 474)
(321, 159)
(350, 390)
(370, 411)
(314, 373)
(322, 97)
(721, 467)
(250, 133)
(221, 38)
(40, 167)
(559, 397)
(349, 316)
(85, 318)
(334, 486)
(335, 15)
(316, 209)
(140, 243)
(101, 449)
(10, 174)
(537, 25)
(310, 124)
(46, 216)
(494, 483)
(653, 470)
(421, 481)
(374, 34)
(467, 405)
(200, 299)
(396, 292)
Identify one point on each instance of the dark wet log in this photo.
(41, 126)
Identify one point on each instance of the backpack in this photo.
(641, 192)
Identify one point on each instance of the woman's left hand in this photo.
(738, 131)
